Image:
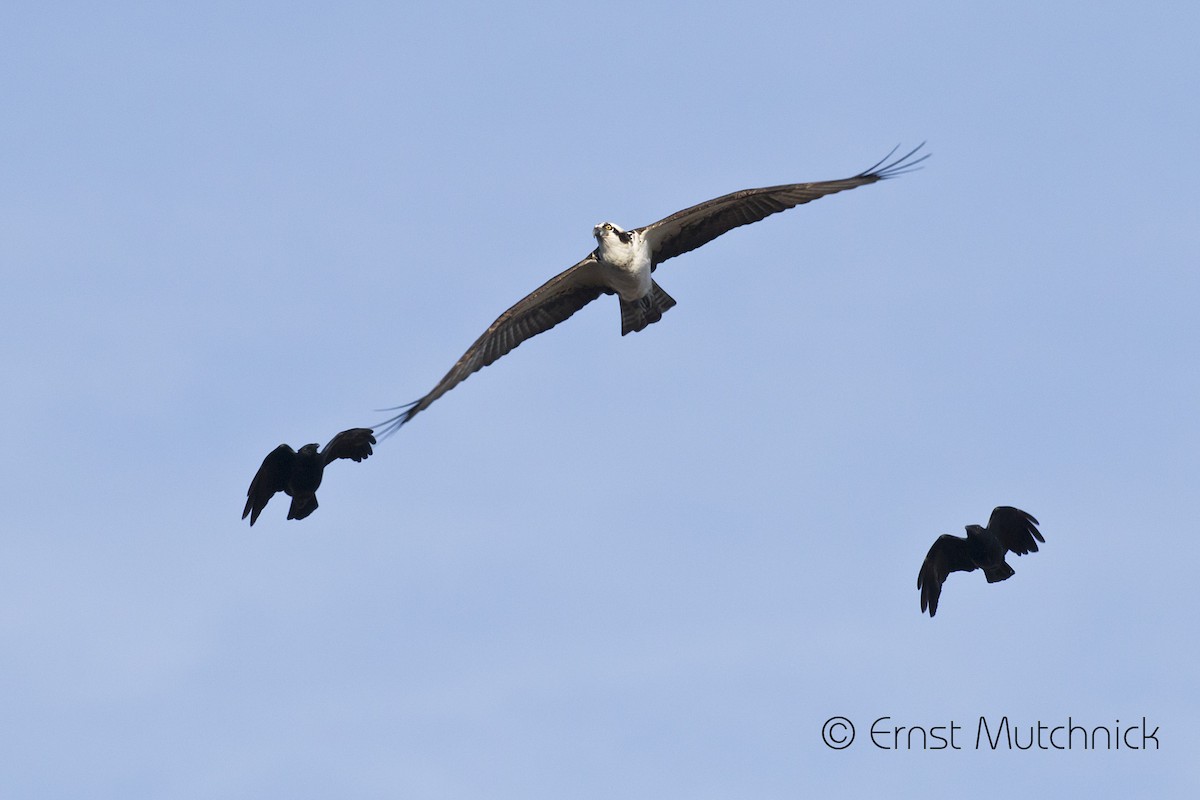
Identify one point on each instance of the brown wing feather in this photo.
(551, 303)
(693, 227)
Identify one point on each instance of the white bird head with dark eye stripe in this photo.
(607, 230)
(616, 245)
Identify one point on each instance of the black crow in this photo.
(299, 473)
(1008, 529)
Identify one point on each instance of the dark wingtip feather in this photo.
(929, 601)
(392, 424)
(886, 168)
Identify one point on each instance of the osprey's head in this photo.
(605, 230)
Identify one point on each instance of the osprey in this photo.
(622, 264)
(299, 473)
(1008, 530)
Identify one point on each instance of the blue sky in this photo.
(641, 566)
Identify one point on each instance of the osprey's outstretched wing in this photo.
(551, 303)
(693, 227)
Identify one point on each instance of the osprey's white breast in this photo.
(626, 264)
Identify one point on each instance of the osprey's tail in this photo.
(637, 315)
(1000, 572)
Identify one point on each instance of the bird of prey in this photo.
(299, 473)
(1008, 530)
(622, 264)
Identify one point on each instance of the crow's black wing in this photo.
(1016, 529)
(948, 554)
(354, 444)
(271, 477)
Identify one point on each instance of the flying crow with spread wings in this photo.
(1008, 530)
(623, 262)
(299, 473)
